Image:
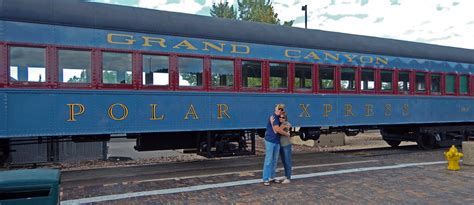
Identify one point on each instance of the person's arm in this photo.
(278, 129)
(272, 119)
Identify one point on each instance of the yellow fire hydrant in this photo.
(453, 157)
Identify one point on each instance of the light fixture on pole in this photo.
(305, 9)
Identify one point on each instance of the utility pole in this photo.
(305, 9)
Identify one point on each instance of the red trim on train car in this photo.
(51, 67)
(315, 77)
(52, 72)
(3, 65)
(471, 85)
(136, 70)
(456, 83)
(291, 77)
(238, 75)
(206, 75)
(96, 72)
(265, 76)
(443, 91)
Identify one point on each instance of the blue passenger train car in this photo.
(71, 69)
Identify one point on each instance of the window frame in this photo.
(458, 80)
(99, 70)
(356, 79)
(373, 91)
(205, 67)
(335, 75)
(4, 68)
(140, 71)
(427, 83)
(49, 81)
(267, 79)
(313, 78)
(222, 88)
(440, 93)
(411, 81)
(471, 86)
(378, 86)
(264, 73)
(74, 85)
(456, 90)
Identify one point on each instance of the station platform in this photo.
(404, 175)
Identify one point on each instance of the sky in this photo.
(441, 22)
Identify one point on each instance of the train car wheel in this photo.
(393, 143)
(426, 141)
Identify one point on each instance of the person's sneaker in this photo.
(266, 183)
(286, 181)
(274, 180)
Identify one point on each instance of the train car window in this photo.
(367, 81)
(435, 83)
(116, 68)
(74, 66)
(303, 76)
(190, 71)
(251, 74)
(348, 79)
(278, 75)
(27, 64)
(450, 84)
(155, 70)
(420, 82)
(386, 80)
(222, 73)
(404, 82)
(326, 78)
(463, 84)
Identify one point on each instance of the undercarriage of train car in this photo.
(205, 143)
(428, 136)
(225, 143)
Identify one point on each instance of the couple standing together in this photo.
(277, 143)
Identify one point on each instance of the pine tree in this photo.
(223, 10)
(249, 10)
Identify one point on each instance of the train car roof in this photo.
(113, 17)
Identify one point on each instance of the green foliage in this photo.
(223, 10)
(249, 10)
(109, 76)
(81, 79)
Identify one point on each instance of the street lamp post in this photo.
(305, 9)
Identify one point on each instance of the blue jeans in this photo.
(285, 154)
(271, 159)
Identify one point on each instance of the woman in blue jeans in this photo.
(285, 148)
(272, 145)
